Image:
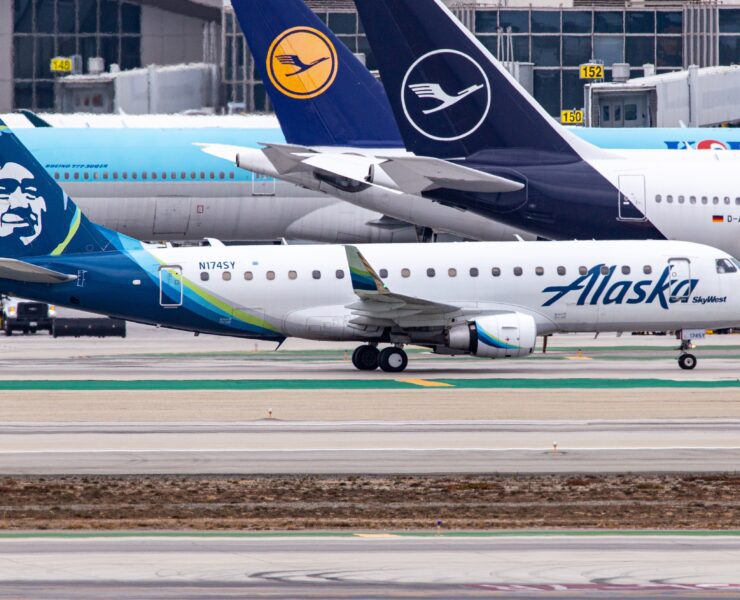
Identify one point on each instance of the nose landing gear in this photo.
(390, 360)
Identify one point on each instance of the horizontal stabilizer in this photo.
(17, 270)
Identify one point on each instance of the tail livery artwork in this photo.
(455, 102)
(485, 299)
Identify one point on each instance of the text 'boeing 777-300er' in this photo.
(485, 299)
(476, 140)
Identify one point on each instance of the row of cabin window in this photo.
(693, 199)
(406, 273)
(95, 176)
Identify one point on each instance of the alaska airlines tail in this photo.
(37, 218)
(451, 97)
(322, 94)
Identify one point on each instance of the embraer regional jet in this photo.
(480, 143)
(485, 299)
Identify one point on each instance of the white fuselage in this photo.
(565, 286)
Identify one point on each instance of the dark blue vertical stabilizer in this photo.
(451, 97)
(322, 94)
(36, 217)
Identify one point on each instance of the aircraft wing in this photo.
(378, 306)
(17, 270)
(401, 174)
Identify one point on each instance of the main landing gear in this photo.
(390, 360)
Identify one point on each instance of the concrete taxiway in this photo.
(370, 448)
(370, 566)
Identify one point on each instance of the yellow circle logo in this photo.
(302, 63)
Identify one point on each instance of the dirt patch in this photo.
(364, 502)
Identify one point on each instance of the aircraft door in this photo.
(680, 279)
(170, 286)
(632, 205)
(263, 186)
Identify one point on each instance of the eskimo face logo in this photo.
(22, 206)
(446, 95)
(302, 63)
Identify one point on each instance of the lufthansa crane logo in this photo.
(302, 63)
(446, 95)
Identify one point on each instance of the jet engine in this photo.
(509, 335)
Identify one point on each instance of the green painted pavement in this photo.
(23, 535)
(354, 384)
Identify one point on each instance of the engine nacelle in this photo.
(508, 335)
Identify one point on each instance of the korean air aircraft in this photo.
(486, 299)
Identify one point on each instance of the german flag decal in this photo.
(718, 219)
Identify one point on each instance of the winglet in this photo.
(364, 277)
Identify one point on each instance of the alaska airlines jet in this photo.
(569, 188)
(485, 299)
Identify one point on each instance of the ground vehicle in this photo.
(27, 316)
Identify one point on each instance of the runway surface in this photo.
(373, 566)
(371, 448)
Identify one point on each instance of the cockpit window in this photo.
(725, 265)
(737, 262)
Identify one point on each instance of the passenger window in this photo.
(383, 273)
(115, 175)
(496, 272)
(248, 276)
(173, 175)
(692, 200)
(431, 272)
(76, 176)
(669, 199)
(604, 270)
(561, 271)
(658, 199)
(270, 275)
(292, 275)
(134, 175)
(316, 274)
(202, 174)
(86, 176)
(204, 276)
(154, 176)
(647, 269)
(222, 175)
(704, 200)
(231, 175)
(715, 200)
(105, 175)
(144, 175)
(405, 273)
(681, 199)
(518, 271)
(725, 265)
(626, 270)
(183, 175)
(540, 271)
(582, 270)
(474, 272)
(452, 272)
(56, 176)
(192, 175)
(727, 199)
(340, 274)
(66, 176)
(213, 175)
(226, 276)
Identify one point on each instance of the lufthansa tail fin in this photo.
(37, 218)
(451, 97)
(322, 94)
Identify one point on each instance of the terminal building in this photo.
(550, 38)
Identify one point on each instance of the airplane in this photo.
(245, 205)
(484, 299)
(570, 188)
(495, 152)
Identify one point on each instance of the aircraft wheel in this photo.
(687, 361)
(365, 358)
(393, 360)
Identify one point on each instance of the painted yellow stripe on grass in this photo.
(578, 358)
(72, 232)
(376, 536)
(426, 383)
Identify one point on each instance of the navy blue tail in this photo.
(451, 97)
(36, 217)
(322, 94)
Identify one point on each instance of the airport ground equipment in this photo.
(100, 328)
(27, 317)
(485, 299)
